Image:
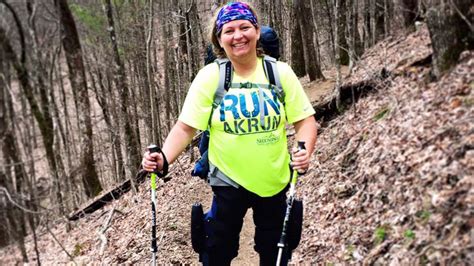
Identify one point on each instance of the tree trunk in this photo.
(279, 11)
(367, 36)
(297, 52)
(351, 32)
(150, 121)
(192, 22)
(342, 43)
(77, 76)
(378, 21)
(168, 59)
(409, 12)
(131, 139)
(337, 57)
(330, 15)
(44, 120)
(11, 158)
(4, 83)
(451, 31)
(316, 32)
(310, 61)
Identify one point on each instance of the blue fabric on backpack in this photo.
(204, 142)
(270, 42)
(201, 168)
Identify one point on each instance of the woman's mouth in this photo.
(240, 45)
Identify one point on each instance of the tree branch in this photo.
(20, 30)
(5, 191)
(469, 24)
(101, 232)
(59, 243)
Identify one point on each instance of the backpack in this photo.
(201, 168)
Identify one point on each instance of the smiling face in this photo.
(239, 39)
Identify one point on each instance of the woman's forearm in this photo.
(179, 137)
(306, 130)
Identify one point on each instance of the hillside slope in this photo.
(392, 179)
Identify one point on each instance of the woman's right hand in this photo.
(152, 162)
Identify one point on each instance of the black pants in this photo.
(223, 224)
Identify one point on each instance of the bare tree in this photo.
(150, 101)
(409, 11)
(342, 40)
(312, 67)
(337, 89)
(77, 76)
(378, 20)
(451, 30)
(40, 110)
(192, 40)
(13, 165)
(316, 34)
(297, 52)
(130, 137)
(354, 42)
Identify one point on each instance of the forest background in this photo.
(87, 85)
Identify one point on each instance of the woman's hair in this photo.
(214, 36)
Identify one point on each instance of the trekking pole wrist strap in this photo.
(164, 171)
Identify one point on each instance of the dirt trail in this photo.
(319, 89)
(247, 255)
(315, 90)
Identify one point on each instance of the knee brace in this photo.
(197, 228)
(204, 238)
(295, 224)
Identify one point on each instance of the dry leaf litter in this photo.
(391, 181)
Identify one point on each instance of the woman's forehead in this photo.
(237, 23)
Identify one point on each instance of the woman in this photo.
(249, 152)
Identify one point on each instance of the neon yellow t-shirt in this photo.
(251, 153)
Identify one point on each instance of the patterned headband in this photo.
(234, 11)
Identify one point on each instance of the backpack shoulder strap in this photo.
(225, 79)
(271, 71)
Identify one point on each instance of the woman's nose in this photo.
(238, 34)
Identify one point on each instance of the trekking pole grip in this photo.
(152, 148)
(301, 146)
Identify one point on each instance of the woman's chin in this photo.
(238, 52)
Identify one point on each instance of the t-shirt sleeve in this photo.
(297, 103)
(198, 103)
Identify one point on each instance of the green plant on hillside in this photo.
(349, 251)
(382, 113)
(424, 215)
(409, 234)
(380, 234)
(77, 249)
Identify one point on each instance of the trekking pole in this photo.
(152, 149)
(294, 178)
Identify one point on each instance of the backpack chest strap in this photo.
(250, 85)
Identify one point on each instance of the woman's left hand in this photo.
(300, 160)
